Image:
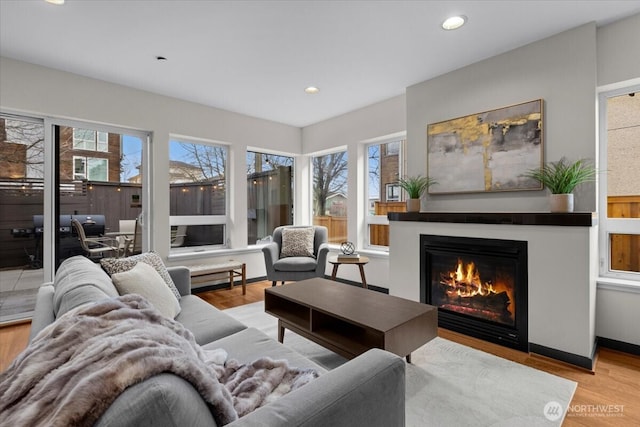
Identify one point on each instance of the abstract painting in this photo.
(486, 152)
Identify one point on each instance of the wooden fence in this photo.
(18, 205)
(21, 199)
(379, 234)
(337, 226)
(625, 248)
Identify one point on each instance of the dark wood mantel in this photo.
(574, 219)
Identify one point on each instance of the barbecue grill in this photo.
(93, 225)
(68, 244)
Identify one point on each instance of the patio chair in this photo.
(178, 236)
(133, 245)
(95, 247)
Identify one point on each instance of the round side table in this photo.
(360, 262)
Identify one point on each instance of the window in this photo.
(620, 185)
(393, 192)
(86, 139)
(22, 154)
(91, 169)
(197, 194)
(269, 194)
(383, 170)
(330, 194)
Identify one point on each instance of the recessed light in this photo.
(312, 90)
(57, 2)
(454, 22)
(161, 58)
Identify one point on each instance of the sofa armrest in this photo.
(366, 391)
(43, 314)
(271, 254)
(181, 277)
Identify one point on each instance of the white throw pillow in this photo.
(144, 280)
(119, 265)
(297, 242)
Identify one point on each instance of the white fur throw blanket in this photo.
(77, 366)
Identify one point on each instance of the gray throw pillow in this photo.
(297, 242)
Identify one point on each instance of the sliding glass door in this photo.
(100, 186)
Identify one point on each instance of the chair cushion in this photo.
(119, 265)
(295, 264)
(297, 242)
(144, 280)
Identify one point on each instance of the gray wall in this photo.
(618, 58)
(561, 70)
(566, 71)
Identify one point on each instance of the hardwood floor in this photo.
(615, 385)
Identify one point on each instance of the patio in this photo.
(18, 289)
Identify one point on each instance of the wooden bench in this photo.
(203, 273)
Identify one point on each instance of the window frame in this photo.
(609, 226)
(175, 220)
(370, 220)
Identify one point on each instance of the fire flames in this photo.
(465, 282)
(462, 290)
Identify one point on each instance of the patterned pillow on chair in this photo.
(297, 242)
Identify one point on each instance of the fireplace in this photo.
(478, 285)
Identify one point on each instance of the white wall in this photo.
(39, 91)
(562, 287)
(618, 313)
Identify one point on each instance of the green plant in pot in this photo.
(415, 186)
(561, 178)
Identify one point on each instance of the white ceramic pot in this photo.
(413, 205)
(561, 202)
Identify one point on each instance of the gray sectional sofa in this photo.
(366, 391)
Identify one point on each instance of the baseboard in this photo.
(224, 285)
(619, 346)
(563, 356)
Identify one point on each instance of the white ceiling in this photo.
(256, 57)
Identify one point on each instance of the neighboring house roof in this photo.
(336, 195)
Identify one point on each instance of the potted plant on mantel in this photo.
(561, 178)
(415, 186)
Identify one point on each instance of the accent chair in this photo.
(296, 253)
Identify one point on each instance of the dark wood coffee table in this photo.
(349, 320)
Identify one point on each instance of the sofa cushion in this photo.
(206, 322)
(79, 281)
(295, 264)
(144, 280)
(250, 344)
(297, 242)
(119, 265)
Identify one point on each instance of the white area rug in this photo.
(449, 384)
